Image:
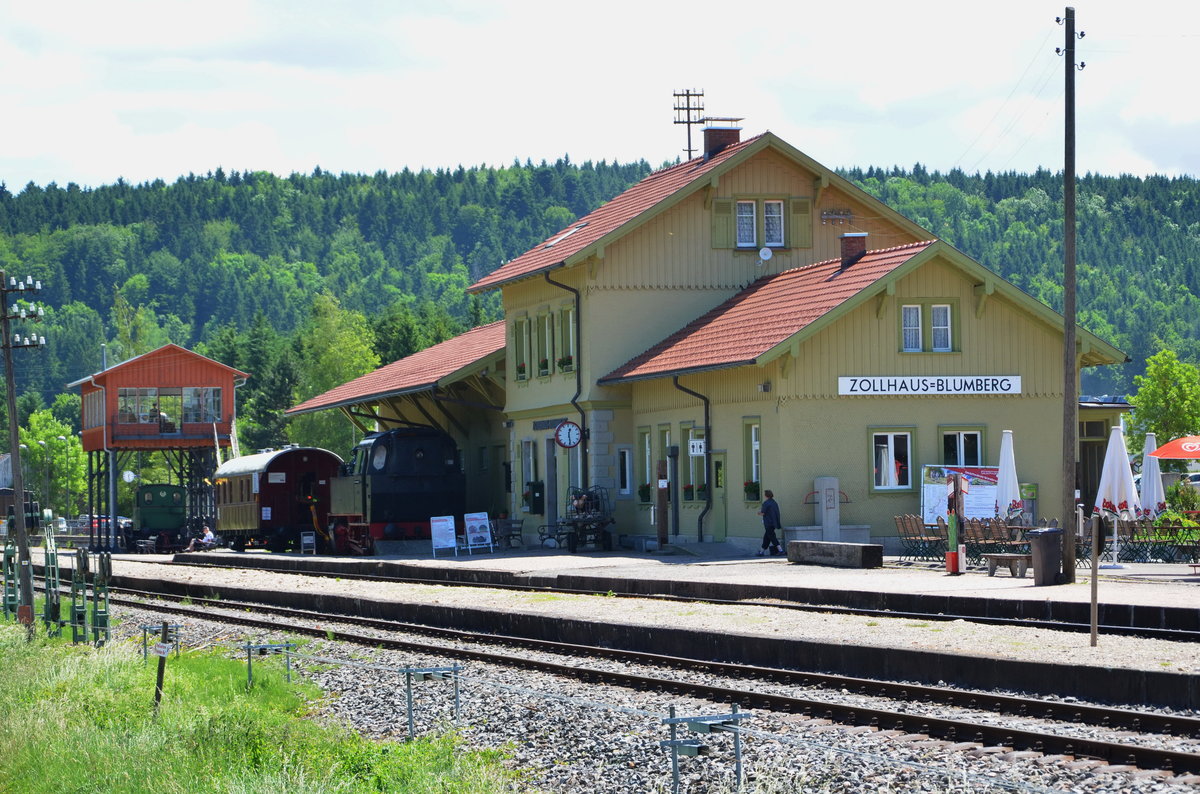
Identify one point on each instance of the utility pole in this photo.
(689, 114)
(9, 286)
(1070, 357)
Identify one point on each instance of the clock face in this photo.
(567, 434)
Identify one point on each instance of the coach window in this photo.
(962, 446)
(891, 459)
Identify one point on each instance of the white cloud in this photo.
(157, 89)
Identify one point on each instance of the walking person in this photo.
(770, 517)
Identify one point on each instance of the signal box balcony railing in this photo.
(125, 426)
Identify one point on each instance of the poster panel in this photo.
(979, 501)
(442, 531)
(479, 530)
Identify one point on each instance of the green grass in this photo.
(80, 719)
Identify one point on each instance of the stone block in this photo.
(836, 555)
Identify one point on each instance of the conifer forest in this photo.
(269, 274)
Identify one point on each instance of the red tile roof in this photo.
(764, 314)
(609, 217)
(418, 372)
(169, 352)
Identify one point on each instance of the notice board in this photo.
(980, 501)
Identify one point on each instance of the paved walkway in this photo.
(1149, 584)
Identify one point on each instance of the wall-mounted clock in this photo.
(568, 434)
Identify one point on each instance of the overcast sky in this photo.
(90, 91)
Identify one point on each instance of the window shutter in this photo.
(800, 228)
(722, 223)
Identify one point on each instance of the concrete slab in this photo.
(836, 555)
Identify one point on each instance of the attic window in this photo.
(565, 235)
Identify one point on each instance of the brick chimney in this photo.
(717, 138)
(854, 246)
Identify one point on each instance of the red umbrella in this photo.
(1180, 449)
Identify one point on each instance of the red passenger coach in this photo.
(271, 497)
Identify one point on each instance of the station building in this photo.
(743, 321)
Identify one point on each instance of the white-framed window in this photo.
(910, 321)
(755, 452)
(566, 340)
(694, 473)
(625, 470)
(962, 448)
(483, 459)
(752, 456)
(545, 343)
(646, 464)
(521, 348)
(892, 460)
(93, 409)
(940, 322)
(773, 224)
(746, 225)
(202, 404)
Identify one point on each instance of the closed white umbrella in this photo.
(1154, 496)
(1008, 490)
(1117, 495)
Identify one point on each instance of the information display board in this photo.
(441, 529)
(479, 531)
(980, 499)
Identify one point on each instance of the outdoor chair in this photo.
(977, 537)
(909, 542)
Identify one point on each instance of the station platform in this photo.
(1153, 595)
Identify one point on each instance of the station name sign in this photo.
(893, 386)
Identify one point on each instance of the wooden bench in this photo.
(1017, 563)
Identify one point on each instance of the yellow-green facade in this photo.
(780, 422)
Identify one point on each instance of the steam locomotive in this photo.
(387, 490)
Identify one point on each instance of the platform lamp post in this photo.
(66, 513)
(10, 290)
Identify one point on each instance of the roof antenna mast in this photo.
(689, 110)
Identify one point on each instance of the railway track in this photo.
(1044, 740)
(1176, 635)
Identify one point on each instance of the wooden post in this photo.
(1070, 355)
(162, 668)
(1095, 531)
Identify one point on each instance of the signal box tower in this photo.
(169, 401)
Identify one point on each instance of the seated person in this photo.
(205, 541)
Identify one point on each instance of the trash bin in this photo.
(1046, 547)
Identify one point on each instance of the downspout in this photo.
(583, 457)
(708, 491)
